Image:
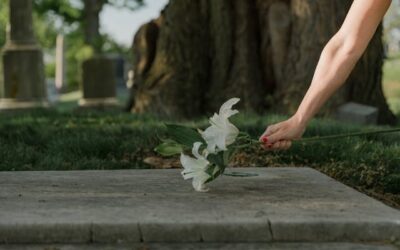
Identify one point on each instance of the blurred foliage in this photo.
(72, 11)
(53, 17)
(392, 19)
(3, 21)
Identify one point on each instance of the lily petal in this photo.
(199, 183)
(226, 108)
(195, 168)
(195, 150)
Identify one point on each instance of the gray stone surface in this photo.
(358, 113)
(208, 246)
(131, 206)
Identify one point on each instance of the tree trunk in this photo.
(91, 12)
(264, 51)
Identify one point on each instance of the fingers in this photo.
(280, 145)
(269, 131)
(276, 137)
(284, 145)
(273, 134)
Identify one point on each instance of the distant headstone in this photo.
(130, 82)
(120, 71)
(358, 113)
(60, 62)
(98, 83)
(23, 85)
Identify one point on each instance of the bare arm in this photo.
(337, 61)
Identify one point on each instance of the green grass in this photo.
(47, 140)
(51, 140)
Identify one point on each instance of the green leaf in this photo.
(227, 156)
(184, 135)
(169, 148)
(218, 164)
(217, 159)
(215, 171)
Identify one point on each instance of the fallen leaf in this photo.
(162, 163)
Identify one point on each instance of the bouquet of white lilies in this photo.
(211, 149)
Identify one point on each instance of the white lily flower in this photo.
(195, 168)
(222, 132)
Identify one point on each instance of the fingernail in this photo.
(265, 139)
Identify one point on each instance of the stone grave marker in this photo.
(358, 113)
(296, 207)
(98, 83)
(23, 85)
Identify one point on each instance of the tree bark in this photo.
(263, 51)
(91, 12)
(174, 83)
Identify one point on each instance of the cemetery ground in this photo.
(61, 140)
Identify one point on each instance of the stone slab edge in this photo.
(208, 246)
(181, 233)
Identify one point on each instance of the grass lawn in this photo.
(54, 140)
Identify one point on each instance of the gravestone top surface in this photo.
(279, 205)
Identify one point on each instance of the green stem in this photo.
(330, 137)
(244, 145)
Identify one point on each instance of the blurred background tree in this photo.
(78, 21)
(392, 29)
(264, 52)
(3, 23)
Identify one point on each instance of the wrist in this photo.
(301, 119)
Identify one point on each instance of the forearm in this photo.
(337, 60)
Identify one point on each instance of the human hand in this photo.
(280, 136)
